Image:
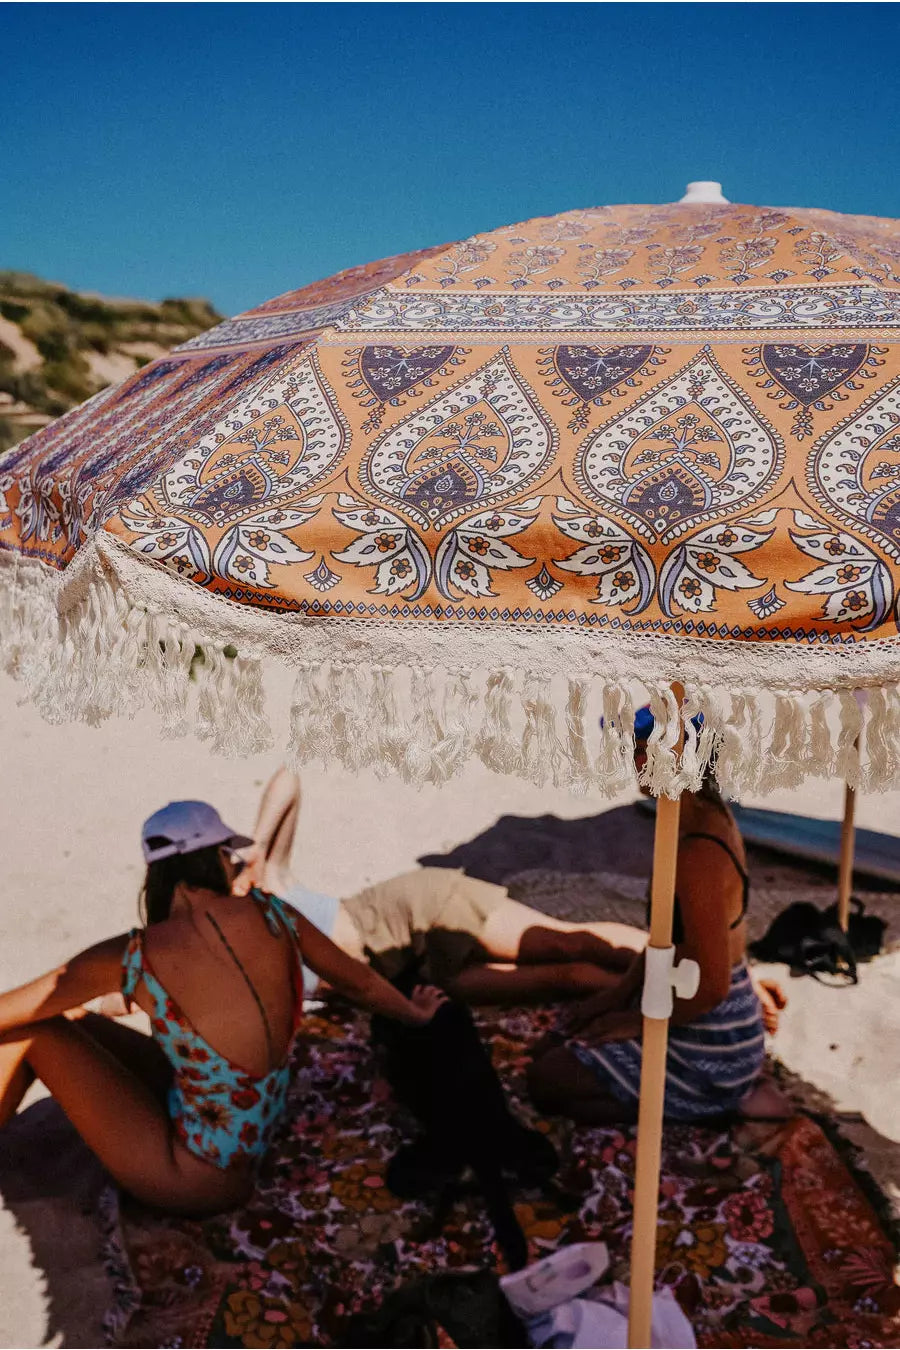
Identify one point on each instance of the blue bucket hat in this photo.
(644, 723)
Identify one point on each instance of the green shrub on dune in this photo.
(67, 340)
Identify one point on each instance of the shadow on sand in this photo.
(618, 840)
(50, 1183)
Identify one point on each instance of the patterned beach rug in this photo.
(766, 1235)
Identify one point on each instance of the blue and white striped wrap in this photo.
(711, 1063)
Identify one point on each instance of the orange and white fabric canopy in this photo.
(481, 495)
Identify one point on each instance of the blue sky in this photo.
(238, 150)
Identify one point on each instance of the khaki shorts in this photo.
(434, 914)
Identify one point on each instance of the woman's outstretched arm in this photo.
(95, 971)
(360, 982)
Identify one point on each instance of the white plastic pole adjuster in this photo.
(661, 975)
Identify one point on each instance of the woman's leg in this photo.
(118, 1116)
(516, 932)
(279, 811)
(268, 857)
(560, 1084)
(16, 1077)
(132, 1048)
(507, 983)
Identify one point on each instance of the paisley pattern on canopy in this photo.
(615, 425)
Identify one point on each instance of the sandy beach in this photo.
(71, 802)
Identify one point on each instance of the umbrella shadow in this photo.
(619, 840)
(616, 847)
(50, 1183)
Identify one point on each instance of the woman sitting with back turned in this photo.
(181, 1119)
(716, 1043)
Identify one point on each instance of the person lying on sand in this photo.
(478, 943)
(474, 940)
(181, 1118)
(591, 1070)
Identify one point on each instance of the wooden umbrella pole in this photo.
(653, 1081)
(845, 868)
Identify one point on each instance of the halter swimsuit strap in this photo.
(132, 964)
(741, 870)
(275, 919)
(250, 985)
(278, 919)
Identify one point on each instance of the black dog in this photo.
(443, 1074)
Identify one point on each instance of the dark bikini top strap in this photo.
(739, 867)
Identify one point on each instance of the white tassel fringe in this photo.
(106, 656)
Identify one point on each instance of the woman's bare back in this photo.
(718, 874)
(189, 955)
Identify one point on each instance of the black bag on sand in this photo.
(444, 1075)
(812, 942)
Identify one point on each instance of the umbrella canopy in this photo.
(564, 461)
(480, 495)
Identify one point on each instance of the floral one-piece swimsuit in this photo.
(221, 1113)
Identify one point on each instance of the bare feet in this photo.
(765, 1101)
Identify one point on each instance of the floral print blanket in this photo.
(766, 1234)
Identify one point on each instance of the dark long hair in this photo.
(201, 868)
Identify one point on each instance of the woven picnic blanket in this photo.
(767, 1234)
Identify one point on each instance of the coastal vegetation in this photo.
(59, 346)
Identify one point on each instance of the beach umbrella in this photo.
(487, 496)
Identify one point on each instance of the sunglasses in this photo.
(233, 857)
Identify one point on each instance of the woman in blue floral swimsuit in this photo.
(181, 1118)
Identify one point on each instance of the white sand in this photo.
(25, 354)
(71, 802)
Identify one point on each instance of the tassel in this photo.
(660, 772)
(459, 704)
(542, 750)
(356, 750)
(391, 734)
(421, 762)
(305, 742)
(615, 762)
(879, 737)
(578, 757)
(494, 744)
(690, 772)
(846, 764)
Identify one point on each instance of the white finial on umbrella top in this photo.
(704, 192)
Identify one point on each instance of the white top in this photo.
(704, 192)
